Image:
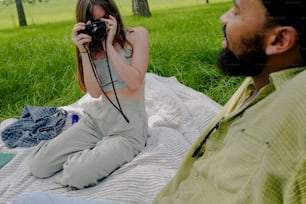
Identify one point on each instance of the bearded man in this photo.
(255, 149)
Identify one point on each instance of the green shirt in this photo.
(256, 152)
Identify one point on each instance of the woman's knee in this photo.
(77, 171)
(40, 164)
(39, 168)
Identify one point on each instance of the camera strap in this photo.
(94, 69)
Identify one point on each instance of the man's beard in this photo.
(250, 63)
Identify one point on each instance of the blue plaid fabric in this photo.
(37, 123)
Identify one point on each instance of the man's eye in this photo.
(234, 12)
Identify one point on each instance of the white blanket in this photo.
(177, 115)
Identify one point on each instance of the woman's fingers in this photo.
(79, 38)
(111, 27)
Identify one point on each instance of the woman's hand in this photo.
(111, 29)
(81, 40)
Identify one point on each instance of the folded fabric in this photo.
(5, 158)
(37, 123)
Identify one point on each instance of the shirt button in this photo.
(195, 172)
(222, 126)
(209, 153)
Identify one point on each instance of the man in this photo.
(254, 150)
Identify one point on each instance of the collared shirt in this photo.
(255, 153)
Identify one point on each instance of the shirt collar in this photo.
(277, 79)
(280, 77)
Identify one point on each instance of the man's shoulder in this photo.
(300, 78)
(297, 85)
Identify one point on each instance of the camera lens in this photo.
(99, 34)
(99, 31)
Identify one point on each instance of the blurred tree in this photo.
(21, 15)
(141, 8)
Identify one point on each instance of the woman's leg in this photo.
(88, 152)
(121, 142)
(49, 156)
(87, 167)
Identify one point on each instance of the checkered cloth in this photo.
(36, 124)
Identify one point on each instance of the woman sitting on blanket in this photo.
(112, 63)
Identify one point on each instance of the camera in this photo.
(97, 30)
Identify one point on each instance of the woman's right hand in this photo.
(81, 40)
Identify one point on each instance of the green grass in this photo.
(37, 65)
(52, 11)
(58, 10)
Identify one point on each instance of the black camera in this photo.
(97, 30)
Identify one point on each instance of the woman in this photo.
(112, 63)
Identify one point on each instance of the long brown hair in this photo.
(83, 14)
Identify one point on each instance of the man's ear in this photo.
(281, 39)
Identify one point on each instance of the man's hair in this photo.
(290, 13)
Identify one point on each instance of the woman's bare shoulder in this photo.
(137, 33)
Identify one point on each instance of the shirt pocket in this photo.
(237, 161)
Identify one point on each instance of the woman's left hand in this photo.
(111, 29)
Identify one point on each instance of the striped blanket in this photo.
(177, 115)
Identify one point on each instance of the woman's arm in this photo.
(132, 74)
(81, 41)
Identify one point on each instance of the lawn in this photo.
(37, 65)
(59, 10)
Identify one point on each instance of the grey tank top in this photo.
(103, 72)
